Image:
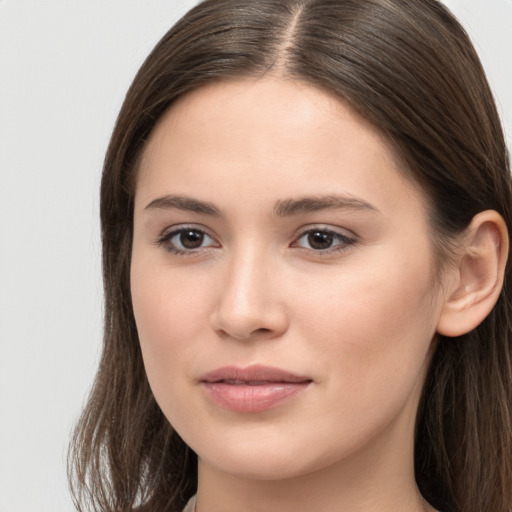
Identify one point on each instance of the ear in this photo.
(474, 283)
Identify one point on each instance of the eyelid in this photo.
(164, 239)
(184, 225)
(348, 238)
(344, 238)
(338, 230)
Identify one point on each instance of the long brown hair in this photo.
(409, 68)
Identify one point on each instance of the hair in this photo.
(409, 68)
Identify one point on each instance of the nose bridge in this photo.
(249, 301)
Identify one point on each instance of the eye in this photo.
(186, 240)
(323, 240)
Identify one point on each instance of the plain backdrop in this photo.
(64, 69)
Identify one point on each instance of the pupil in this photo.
(191, 239)
(320, 239)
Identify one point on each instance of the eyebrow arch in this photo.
(291, 207)
(171, 202)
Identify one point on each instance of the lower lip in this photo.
(247, 398)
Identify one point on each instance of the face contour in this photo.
(282, 280)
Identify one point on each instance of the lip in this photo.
(255, 388)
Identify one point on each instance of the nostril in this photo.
(235, 316)
(260, 333)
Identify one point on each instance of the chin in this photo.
(266, 459)
(262, 466)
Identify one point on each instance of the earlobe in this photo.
(478, 275)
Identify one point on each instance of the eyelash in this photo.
(342, 241)
(165, 240)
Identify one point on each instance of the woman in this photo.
(306, 215)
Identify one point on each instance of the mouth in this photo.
(253, 389)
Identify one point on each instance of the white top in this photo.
(191, 505)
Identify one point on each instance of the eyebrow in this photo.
(171, 202)
(291, 207)
(282, 208)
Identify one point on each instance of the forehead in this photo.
(273, 137)
(268, 114)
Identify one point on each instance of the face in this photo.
(282, 280)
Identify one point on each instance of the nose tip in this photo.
(249, 305)
(242, 320)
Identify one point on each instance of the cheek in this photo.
(374, 323)
(385, 294)
(162, 310)
(170, 310)
(370, 335)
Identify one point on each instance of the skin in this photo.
(358, 319)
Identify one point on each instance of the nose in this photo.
(250, 304)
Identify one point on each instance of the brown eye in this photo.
(191, 239)
(324, 240)
(186, 240)
(320, 240)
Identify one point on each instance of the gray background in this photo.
(64, 68)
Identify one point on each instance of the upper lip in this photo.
(252, 375)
